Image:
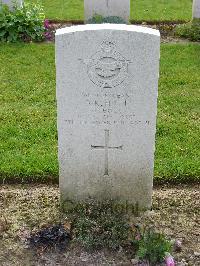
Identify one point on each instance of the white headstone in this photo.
(107, 86)
(107, 8)
(11, 3)
(196, 9)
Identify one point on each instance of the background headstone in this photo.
(107, 83)
(196, 9)
(106, 8)
(10, 3)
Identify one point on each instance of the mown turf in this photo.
(159, 10)
(28, 108)
(140, 9)
(28, 111)
(178, 127)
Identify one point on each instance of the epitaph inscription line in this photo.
(106, 148)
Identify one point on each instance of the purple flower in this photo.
(46, 24)
(48, 35)
(177, 245)
(169, 260)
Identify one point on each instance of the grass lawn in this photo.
(140, 9)
(28, 111)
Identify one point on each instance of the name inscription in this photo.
(107, 108)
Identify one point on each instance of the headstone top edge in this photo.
(119, 27)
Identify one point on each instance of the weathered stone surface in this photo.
(107, 8)
(10, 3)
(196, 8)
(107, 83)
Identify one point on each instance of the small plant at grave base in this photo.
(189, 30)
(96, 225)
(152, 246)
(98, 19)
(25, 23)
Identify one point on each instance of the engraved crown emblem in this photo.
(107, 46)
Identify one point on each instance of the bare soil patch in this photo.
(29, 207)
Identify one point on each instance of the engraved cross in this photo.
(106, 148)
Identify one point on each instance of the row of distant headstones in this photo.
(111, 8)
